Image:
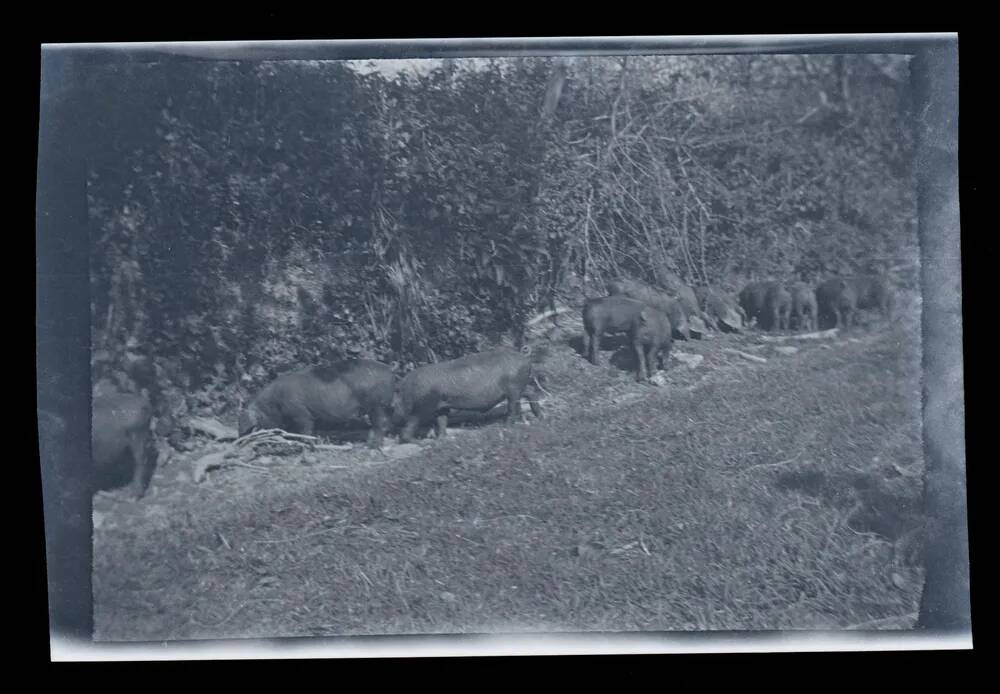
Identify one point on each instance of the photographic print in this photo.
(639, 337)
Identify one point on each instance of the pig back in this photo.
(331, 393)
(676, 308)
(474, 382)
(611, 313)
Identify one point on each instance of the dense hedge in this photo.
(250, 217)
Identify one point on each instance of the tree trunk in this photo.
(945, 603)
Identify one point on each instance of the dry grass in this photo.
(738, 496)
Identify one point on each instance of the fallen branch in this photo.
(548, 314)
(821, 335)
(903, 471)
(246, 465)
(750, 357)
(205, 463)
(333, 446)
(273, 434)
(210, 427)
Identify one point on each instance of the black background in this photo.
(26, 519)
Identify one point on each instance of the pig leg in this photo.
(142, 465)
(441, 429)
(640, 356)
(411, 425)
(380, 423)
(536, 409)
(513, 404)
(651, 360)
(593, 340)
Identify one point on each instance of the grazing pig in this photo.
(613, 314)
(803, 306)
(324, 397)
(721, 309)
(752, 300)
(675, 286)
(474, 382)
(768, 302)
(778, 306)
(652, 343)
(836, 301)
(121, 436)
(873, 292)
(671, 307)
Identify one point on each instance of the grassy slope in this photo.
(738, 496)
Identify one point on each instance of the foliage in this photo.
(251, 217)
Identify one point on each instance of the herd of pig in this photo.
(326, 396)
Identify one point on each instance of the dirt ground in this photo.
(736, 495)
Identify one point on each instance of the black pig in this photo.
(323, 397)
(121, 436)
(475, 382)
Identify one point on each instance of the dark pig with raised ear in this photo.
(477, 382)
(324, 397)
(121, 437)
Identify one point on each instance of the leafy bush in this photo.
(249, 218)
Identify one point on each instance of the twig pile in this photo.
(257, 444)
(275, 442)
